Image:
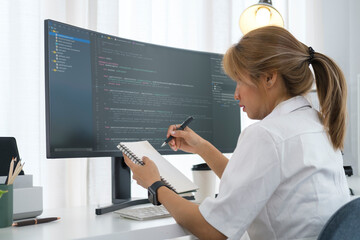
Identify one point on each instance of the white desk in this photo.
(83, 223)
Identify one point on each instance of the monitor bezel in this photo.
(84, 154)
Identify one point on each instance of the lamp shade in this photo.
(260, 15)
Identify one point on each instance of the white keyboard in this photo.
(144, 213)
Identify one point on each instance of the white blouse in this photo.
(283, 181)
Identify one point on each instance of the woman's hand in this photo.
(186, 140)
(145, 175)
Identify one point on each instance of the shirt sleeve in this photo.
(249, 180)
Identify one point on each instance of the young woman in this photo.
(285, 177)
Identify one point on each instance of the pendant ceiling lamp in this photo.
(260, 15)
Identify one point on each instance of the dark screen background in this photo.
(107, 89)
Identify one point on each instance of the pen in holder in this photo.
(7, 194)
(13, 173)
(6, 205)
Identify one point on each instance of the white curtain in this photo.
(192, 24)
(204, 25)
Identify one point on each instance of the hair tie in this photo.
(311, 52)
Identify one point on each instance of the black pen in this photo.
(35, 221)
(182, 127)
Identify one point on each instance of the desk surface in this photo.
(83, 223)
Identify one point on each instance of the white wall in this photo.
(329, 26)
(333, 28)
(341, 38)
(353, 139)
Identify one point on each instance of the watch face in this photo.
(151, 196)
(152, 193)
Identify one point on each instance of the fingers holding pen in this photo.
(177, 143)
(172, 145)
(171, 128)
(180, 138)
(172, 142)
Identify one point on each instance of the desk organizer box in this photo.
(28, 200)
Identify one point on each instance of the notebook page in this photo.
(171, 174)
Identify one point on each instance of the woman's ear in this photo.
(270, 79)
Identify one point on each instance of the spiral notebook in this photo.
(174, 179)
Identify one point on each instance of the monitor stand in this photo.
(121, 188)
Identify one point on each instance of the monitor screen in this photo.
(102, 89)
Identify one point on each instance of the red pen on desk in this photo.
(35, 221)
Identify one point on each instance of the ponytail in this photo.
(332, 94)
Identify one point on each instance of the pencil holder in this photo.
(6, 205)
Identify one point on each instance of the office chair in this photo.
(344, 224)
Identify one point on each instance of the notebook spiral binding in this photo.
(137, 160)
(130, 154)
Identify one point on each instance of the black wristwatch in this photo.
(152, 192)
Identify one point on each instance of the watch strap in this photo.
(153, 190)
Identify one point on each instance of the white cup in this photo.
(205, 179)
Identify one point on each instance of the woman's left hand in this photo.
(145, 175)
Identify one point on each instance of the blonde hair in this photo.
(268, 49)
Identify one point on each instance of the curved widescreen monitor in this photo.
(102, 89)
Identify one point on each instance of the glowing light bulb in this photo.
(262, 16)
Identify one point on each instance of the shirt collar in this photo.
(289, 105)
